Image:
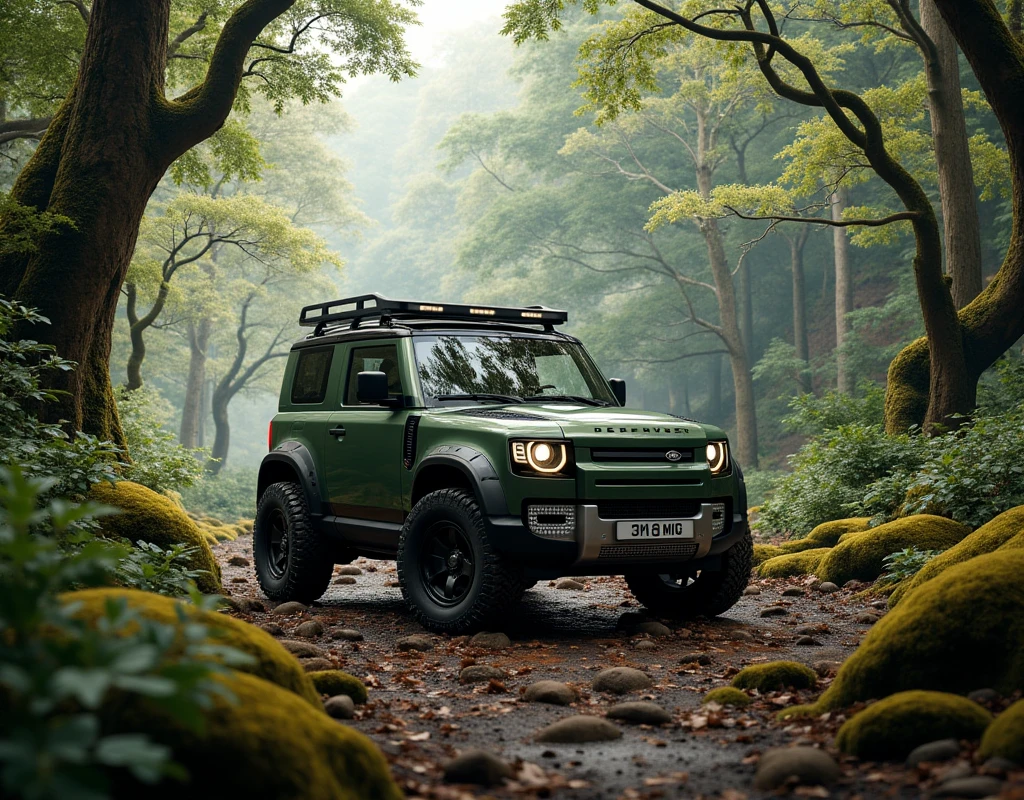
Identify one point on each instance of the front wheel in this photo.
(696, 592)
(451, 576)
(292, 560)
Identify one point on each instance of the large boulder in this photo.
(271, 661)
(990, 536)
(790, 564)
(828, 534)
(891, 728)
(150, 517)
(1005, 737)
(762, 552)
(963, 630)
(263, 742)
(860, 556)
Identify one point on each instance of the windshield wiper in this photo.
(568, 398)
(496, 398)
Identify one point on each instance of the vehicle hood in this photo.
(589, 426)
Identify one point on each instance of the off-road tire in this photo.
(309, 563)
(496, 585)
(711, 593)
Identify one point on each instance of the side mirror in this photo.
(372, 389)
(618, 389)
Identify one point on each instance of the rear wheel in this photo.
(292, 560)
(696, 592)
(452, 578)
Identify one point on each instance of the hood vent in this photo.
(498, 413)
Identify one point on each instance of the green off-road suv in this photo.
(484, 451)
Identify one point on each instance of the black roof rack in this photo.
(369, 306)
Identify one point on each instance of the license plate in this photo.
(654, 529)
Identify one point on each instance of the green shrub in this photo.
(760, 484)
(60, 673)
(905, 564)
(231, 494)
(727, 696)
(158, 462)
(891, 728)
(1005, 737)
(775, 675)
(861, 556)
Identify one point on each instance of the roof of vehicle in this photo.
(333, 335)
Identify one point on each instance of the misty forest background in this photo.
(499, 175)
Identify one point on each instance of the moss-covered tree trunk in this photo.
(992, 322)
(98, 163)
(195, 384)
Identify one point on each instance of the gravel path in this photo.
(422, 716)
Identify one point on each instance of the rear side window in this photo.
(311, 373)
(380, 358)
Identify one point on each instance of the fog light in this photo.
(556, 522)
(717, 518)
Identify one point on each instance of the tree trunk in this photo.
(222, 432)
(845, 381)
(800, 338)
(714, 412)
(109, 144)
(961, 229)
(746, 305)
(195, 385)
(729, 331)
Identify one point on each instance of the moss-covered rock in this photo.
(727, 696)
(1016, 543)
(827, 534)
(1004, 738)
(784, 566)
(960, 631)
(891, 728)
(333, 682)
(798, 546)
(775, 675)
(990, 536)
(150, 517)
(860, 556)
(271, 661)
(267, 743)
(762, 552)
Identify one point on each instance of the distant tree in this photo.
(118, 130)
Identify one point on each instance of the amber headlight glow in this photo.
(718, 457)
(545, 458)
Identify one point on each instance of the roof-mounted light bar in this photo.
(369, 306)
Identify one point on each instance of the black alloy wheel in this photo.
(277, 543)
(446, 565)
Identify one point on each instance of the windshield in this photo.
(507, 369)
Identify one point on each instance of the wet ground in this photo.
(422, 716)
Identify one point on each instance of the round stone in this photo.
(481, 673)
(301, 649)
(477, 767)
(272, 628)
(553, 692)
(238, 561)
(941, 750)
(291, 607)
(621, 680)
(695, 658)
(808, 641)
(653, 628)
(348, 569)
(316, 664)
(344, 580)
(346, 634)
(490, 641)
(309, 629)
(578, 730)
(975, 786)
(569, 583)
(803, 765)
(793, 591)
(640, 712)
(340, 707)
(752, 590)
(774, 611)
(417, 642)
(827, 587)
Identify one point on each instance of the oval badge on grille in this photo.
(673, 455)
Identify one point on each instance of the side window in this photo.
(312, 370)
(379, 358)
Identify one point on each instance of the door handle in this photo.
(338, 431)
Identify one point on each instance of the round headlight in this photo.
(718, 456)
(544, 457)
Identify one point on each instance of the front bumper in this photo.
(593, 549)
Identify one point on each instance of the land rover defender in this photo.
(483, 450)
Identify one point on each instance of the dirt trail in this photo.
(421, 715)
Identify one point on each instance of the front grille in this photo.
(654, 550)
(557, 521)
(642, 455)
(647, 509)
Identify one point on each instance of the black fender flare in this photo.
(478, 470)
(295, 457)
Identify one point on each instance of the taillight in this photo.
(270, 435)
